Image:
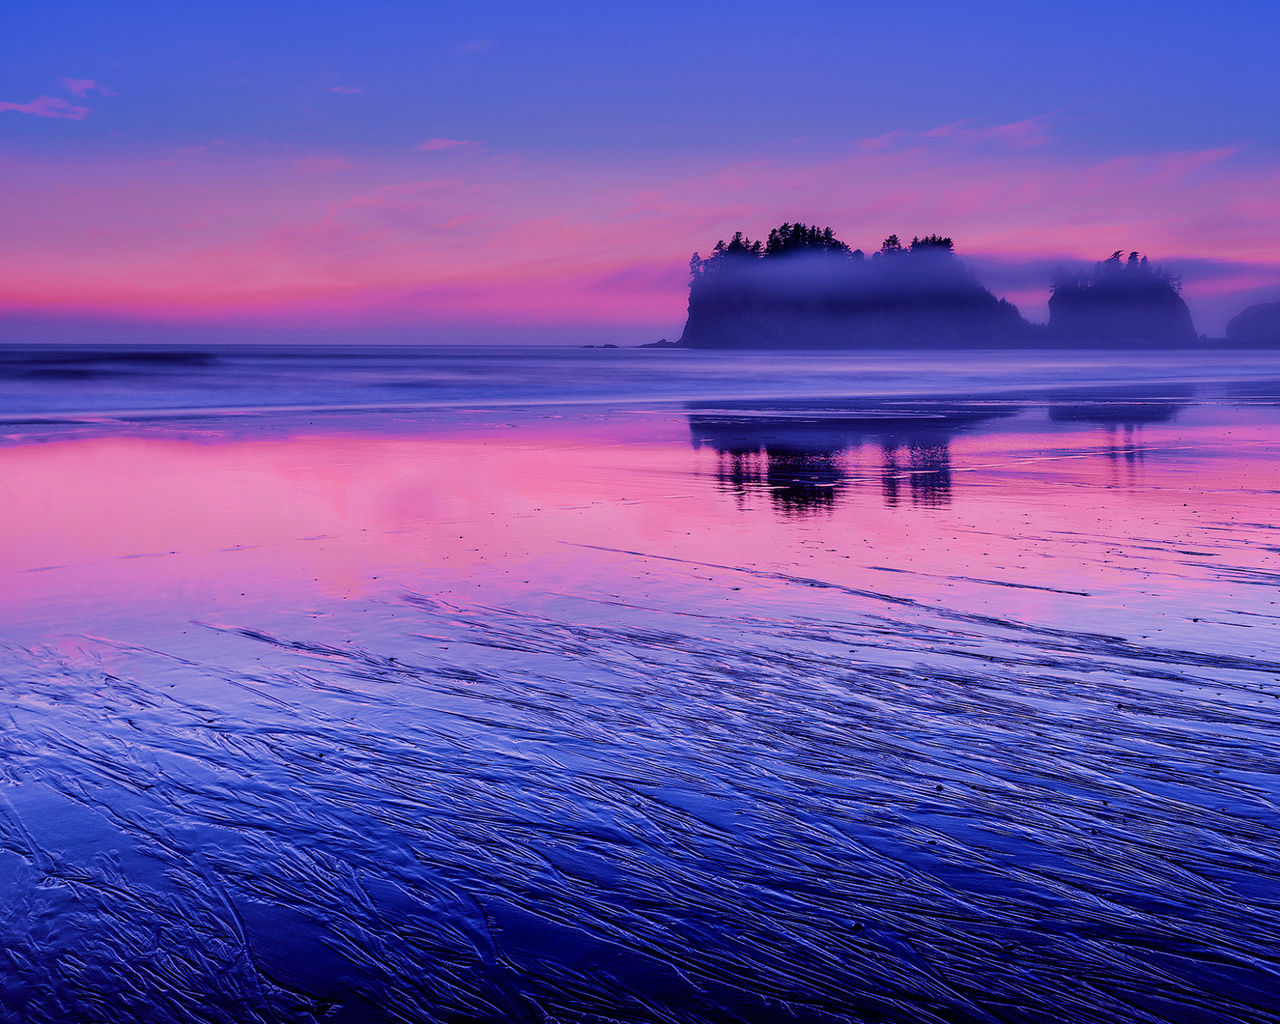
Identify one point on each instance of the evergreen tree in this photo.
(933, 244)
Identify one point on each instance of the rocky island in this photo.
(803, 288)
(1119, 302)
(1257, 325)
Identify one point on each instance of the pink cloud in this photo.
(235, 237)
(49, 106)
(438, 145)
(345, 88)
(83, 86)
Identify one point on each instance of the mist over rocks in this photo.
(1258, 324)
(803, 288)
(1119, 302)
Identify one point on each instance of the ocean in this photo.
(561, 685)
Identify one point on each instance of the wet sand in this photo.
(904, 706)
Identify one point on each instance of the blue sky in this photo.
(678, 77)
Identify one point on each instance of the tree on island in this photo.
(1119, 301)
(787, 240)
(810, 240)
(930, 244)
(933, 244)
(803, 287)
(1117, 272)
(794, 238)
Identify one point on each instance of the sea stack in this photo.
(804, 288)
(1257, 325)
(1119, 302)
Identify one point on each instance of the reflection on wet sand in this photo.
(511, 715)
(927, 471)
(798, 483)
(1122, 416)
(798, 453)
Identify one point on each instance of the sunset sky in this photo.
(521, 171)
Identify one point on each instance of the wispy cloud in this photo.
(345, 88)
(478, 46)
(83, 86)
(1034, 131)
(49, 106)
(438, 145)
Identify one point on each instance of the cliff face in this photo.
(1119, 304)
(902, 298)
(1256, 325)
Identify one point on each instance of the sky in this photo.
(543, 171)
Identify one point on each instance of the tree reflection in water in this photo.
(797, 453)
(1122, 417)
(925, 464)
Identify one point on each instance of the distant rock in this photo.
(660, 343)
(1256, 325)
(1119, 302)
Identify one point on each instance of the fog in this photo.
(923, 296)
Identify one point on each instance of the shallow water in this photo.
(639, 686)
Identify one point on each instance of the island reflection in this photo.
(796, 452)
(1122, 415)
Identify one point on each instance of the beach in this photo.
(432, 685)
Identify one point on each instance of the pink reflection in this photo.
(1068, 528)
(103, 523)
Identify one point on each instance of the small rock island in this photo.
(1119, 302)
(804, 288)
(1257, 325)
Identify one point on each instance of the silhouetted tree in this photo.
(790, 238)
(738, 249)
(891, 246)
(1116, 272)
(784, 240)
(933, 243)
